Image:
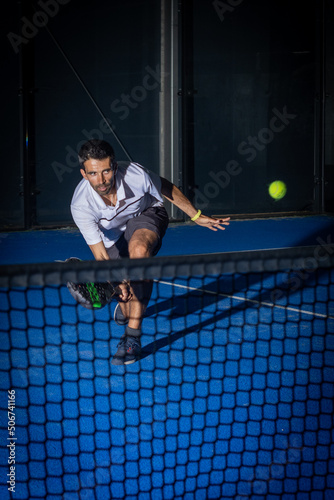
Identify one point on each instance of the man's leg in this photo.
(142, 244)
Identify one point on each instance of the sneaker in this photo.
(129, 349)
(119, 317)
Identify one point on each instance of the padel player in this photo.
(120, 213)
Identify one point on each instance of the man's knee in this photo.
(139, 250)
(142, 244)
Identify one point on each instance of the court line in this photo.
(244, 299)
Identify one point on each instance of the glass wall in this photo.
(100, 59)
(94, 62)
(254, 69)
(11, 207)
(251, 94)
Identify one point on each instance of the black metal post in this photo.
(319, 124)
(187, 94)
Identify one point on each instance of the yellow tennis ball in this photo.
(277, 190)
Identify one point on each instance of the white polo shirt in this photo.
(137, 189)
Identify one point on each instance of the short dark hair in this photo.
(96, 149)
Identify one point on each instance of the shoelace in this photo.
(131, 343)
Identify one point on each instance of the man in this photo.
(120, 213)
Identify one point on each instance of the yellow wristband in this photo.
(196, 216)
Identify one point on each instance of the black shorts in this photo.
(153, 218)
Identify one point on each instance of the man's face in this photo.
(99, 175)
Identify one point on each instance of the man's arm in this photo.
(175, 196)
(99, 251)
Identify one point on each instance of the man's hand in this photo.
(125, 294)
(211, 223)
(175, 196)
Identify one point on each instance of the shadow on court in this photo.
(193, 302)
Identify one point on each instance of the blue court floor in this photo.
(180, 239)
(232, 398)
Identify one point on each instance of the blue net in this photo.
(232, 396)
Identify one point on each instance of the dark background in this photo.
(238, 67)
